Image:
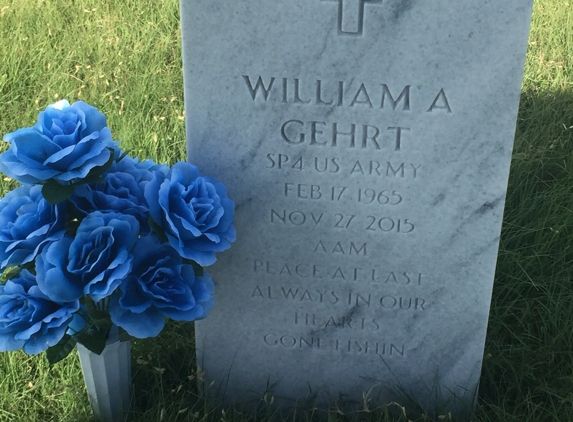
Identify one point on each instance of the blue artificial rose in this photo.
(94, 262)
(29, 320)
(27, 223)
(122, 190)
(65, 144)
(160, 285)
(194, 212)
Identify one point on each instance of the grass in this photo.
(125, 58)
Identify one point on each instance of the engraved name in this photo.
(340, 94)
(296, 132)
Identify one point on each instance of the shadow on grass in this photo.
(528, 370)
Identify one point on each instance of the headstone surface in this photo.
(366, 144)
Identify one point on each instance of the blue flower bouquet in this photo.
(94, 238)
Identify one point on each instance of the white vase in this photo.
(108, 377)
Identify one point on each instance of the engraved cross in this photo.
(351, 16)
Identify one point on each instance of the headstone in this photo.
(366, 144)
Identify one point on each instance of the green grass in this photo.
(125, 58)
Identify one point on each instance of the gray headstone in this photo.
(366, 144)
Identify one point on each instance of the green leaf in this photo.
(158, 230)
(94, 176)
(196, 267)
(122, 156)
(56, 193)
(101, 321)
(93, 340)
(123, 335)
(61, 350)
(98, 315)
(89, 302)
(91, 179)
(72, 227)
(30, 266)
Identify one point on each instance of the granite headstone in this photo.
(366, 144)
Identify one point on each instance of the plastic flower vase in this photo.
(108, 377)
